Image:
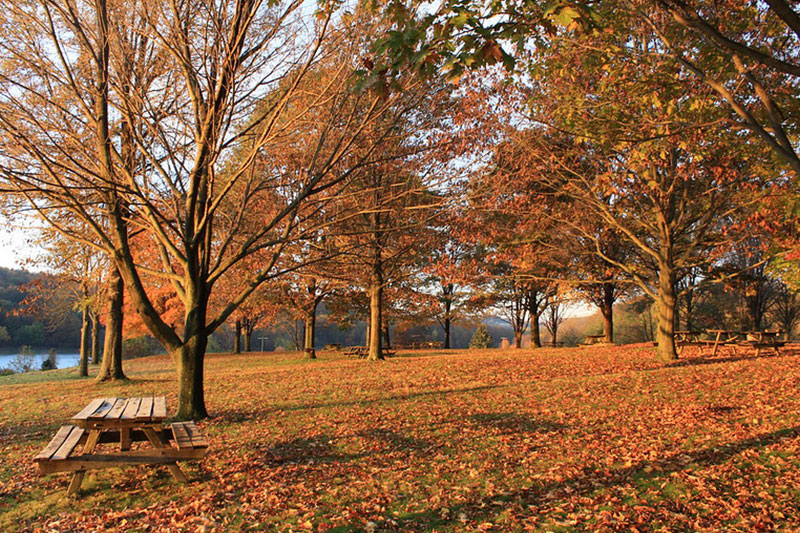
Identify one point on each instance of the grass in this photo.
(551, 440)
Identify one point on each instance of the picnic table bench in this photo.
(121, 421)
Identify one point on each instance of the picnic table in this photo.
(760, 340)
(121, 422)
(686, 338)
(724, 337)
(592, 340)
(423, 345)
(362, 351)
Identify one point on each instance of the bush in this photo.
(24, 361)
(6, 372)
(51, 363)
(481, 338)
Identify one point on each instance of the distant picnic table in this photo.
(593, 340)
(362, 351)
(710, 341)
(121, 421)
(422, 345)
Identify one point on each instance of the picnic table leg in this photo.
(716, 344)
(124, 439)
(77, 477)
(154, 438)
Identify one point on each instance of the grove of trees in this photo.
(203, 165)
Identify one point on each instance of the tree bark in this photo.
(607, 310)
(111, 367)
(665, 335)
(95, 320)
(536, 334)
(517, 338)
(190, 359)
(387, 341)
(448, 306)
(237, 340)
(83, 366)
(248, 337)
(310, 332)
(375, 312)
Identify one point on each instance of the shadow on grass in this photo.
(589, 481)
(514, 423)
(237, 415)
(324, 448)
(708, 360)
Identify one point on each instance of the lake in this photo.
(64, 360)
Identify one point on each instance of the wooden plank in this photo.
(68, 445)
(104, 408)
(160, 407)
(197, 438)
(131, 407)
(116, 410)
(89, 409)
(145, 408)
(182, 438)
(80, 463)
(55, 443)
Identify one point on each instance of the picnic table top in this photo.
(115, 412)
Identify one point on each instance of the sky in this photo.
(15, 248)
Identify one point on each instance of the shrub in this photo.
(24, 361)
(481, 338)
(51, 363)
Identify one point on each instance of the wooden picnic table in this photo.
(592, 340)
(363, 351)
(760, 340)
(724, 337)
(685, 338)
(121, 422)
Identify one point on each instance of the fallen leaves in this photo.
(601, 439)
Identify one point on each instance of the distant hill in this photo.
(18, 329)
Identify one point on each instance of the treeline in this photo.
(46, 326)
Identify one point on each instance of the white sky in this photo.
(15, 248)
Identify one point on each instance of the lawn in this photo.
(553, 440)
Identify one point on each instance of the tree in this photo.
(156, 151)
(481, 339)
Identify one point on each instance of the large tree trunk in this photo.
(607, 310)
(387, 341)
(190, 359)
(666, 312)
(517, 337)
(111, 367)
(95, 320)
(310, 332)
(448, 306)
(375, 312)
(237, 340)
(536, 334)
(83, 366)
(248, 337)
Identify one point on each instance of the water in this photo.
(64, 360)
